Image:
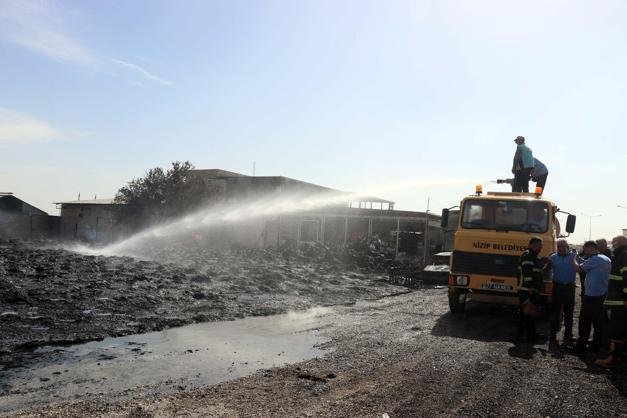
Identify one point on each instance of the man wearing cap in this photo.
(522, 166)
(539, 173)
(597, 268)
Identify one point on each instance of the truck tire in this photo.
(457, 301)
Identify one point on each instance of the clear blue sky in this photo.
(347, 94)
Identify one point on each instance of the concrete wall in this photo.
(25, 227)
(91, 223)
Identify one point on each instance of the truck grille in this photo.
(488, 264)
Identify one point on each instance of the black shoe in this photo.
(580, 350)
(554, 347)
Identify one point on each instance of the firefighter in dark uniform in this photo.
(529, 287)
(616, 303)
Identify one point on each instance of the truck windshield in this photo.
(506, 215)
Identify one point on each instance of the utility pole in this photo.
(590, 224)
(254, 167)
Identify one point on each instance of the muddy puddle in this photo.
(170, 360)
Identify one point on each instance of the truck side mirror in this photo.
(444, 221)
(570, 223)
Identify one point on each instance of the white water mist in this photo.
(253, 208)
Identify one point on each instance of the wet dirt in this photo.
(404, 356)
(162, 362)
(49, 295)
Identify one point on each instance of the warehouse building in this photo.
(88, 220)
(21, 220)
(348, 218)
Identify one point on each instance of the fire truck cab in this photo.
(492, 232)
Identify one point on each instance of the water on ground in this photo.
(169, 360)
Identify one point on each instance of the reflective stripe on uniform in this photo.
(614, 302)
(527, 279)
(525, 263)
(624, 269)
(522, 288)
(615, 277)
(536, 269)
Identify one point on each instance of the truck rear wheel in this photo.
(457, 301)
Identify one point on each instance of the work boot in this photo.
(609, 363)
(614, 358)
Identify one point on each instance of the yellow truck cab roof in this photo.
(509, 195)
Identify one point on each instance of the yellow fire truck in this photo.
(492, 232)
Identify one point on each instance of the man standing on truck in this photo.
(522, 166)
(529, 288)
(597, 268)
(539, 173)
(563, 265)
(616, 302)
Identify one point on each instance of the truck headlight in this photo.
(461, 280)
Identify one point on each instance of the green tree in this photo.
(161, 195)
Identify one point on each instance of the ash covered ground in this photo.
(404, 356)
(49, 295)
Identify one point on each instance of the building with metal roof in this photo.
(10, 203)
(21, 220)
(232, 185)
(90, 220)
(86, 202)
(351, 217)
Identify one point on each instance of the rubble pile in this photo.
(51, 295)
(356, 256)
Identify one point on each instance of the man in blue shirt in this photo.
(563, 265)
(597, 268)
(539, 173)
(522, 166)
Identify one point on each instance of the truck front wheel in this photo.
(457, 301)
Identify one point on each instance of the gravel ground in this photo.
(53, 296)
(402, 356)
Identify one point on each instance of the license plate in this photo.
(496, 286)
